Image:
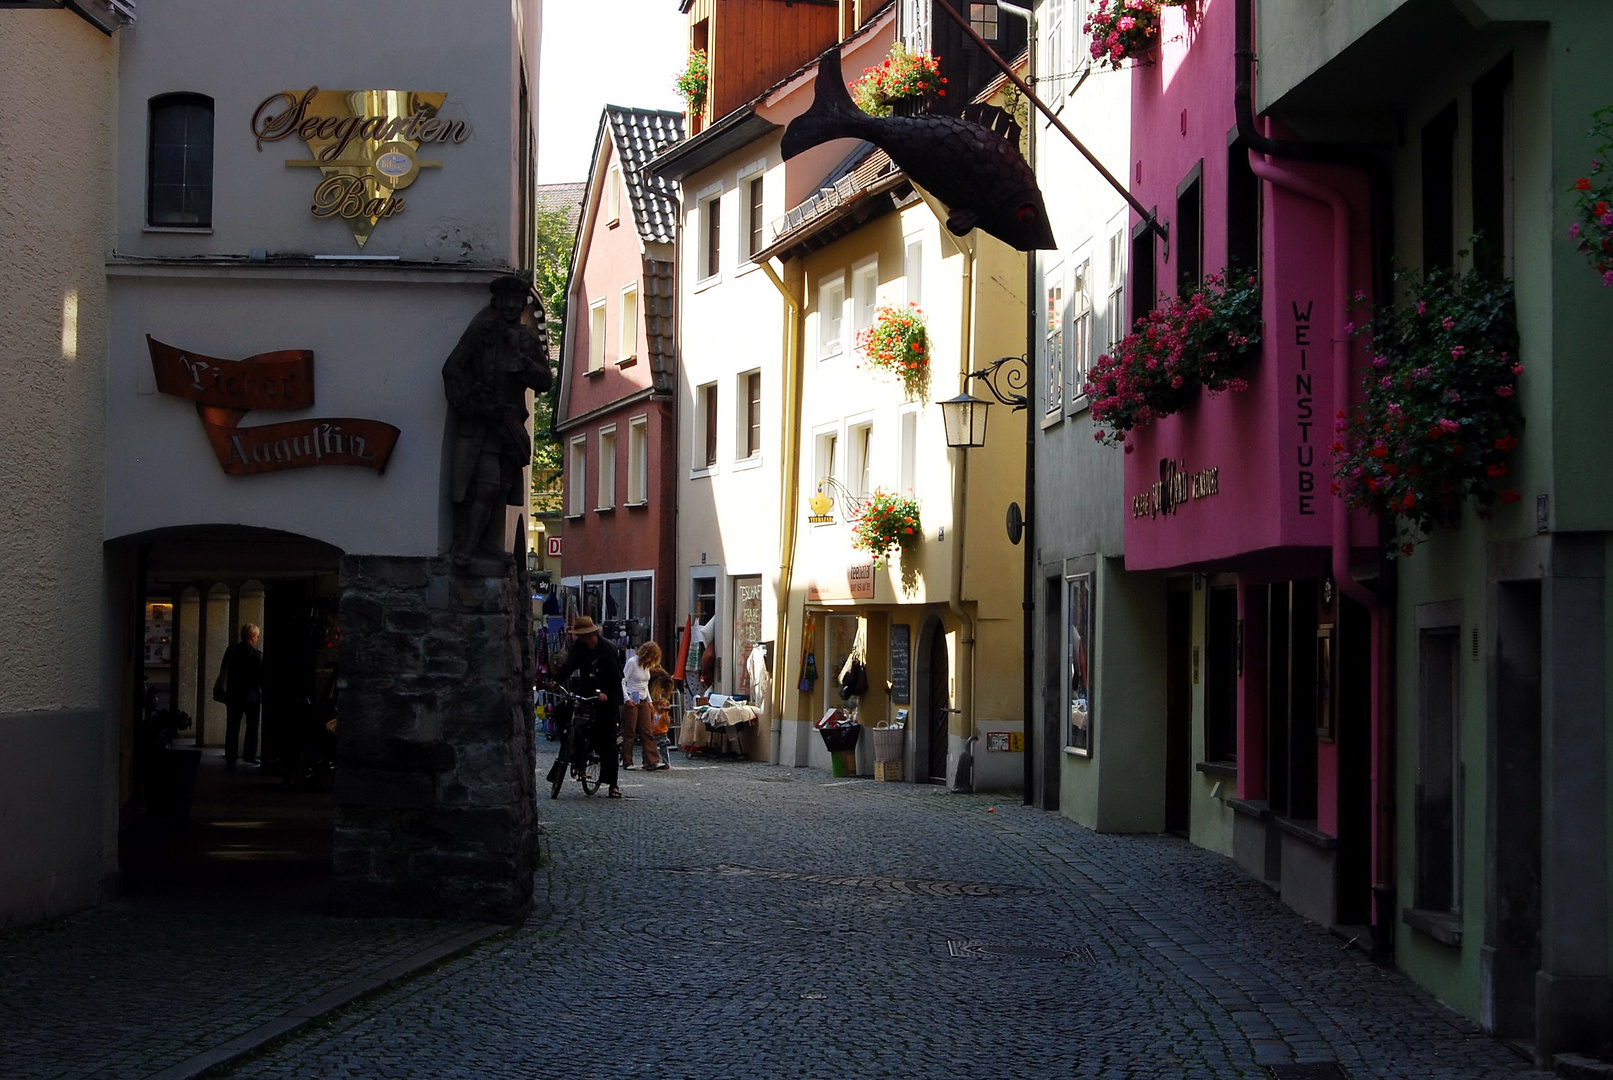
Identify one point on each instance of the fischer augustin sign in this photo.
(226, 390)
(365, 143)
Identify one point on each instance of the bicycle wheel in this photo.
(590, 774)
(562, 766)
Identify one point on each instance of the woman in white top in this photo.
(638, 715)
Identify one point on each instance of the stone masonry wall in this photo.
(435, 781)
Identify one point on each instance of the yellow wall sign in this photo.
(365, 143)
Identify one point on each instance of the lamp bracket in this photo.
(1008, 380)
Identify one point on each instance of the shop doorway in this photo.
(932, 703)
(1178, 707)
(197, 830)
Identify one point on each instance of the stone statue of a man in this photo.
(501, 354)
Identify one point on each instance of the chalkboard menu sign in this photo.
(901, 664)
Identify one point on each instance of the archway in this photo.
(196, 831)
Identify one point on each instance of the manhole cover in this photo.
(990, 950)
(1320, 1070)
(912, 886)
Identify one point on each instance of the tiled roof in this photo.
(659, 321)
(563, 197)
(639, 134)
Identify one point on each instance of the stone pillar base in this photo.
(435, 784)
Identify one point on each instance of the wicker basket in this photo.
(888, 743)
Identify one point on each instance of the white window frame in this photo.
(1054, 314)
(700, 464)
(1078, 336)
(607, 468)
(832, 312)
(825, 464)
(753, 174)
(613, 195)
(627, 349)
(638, 460)
(913, 269)
(708, 215)
(915, 25)
(860, 455)
(596, 336)
(742, 403)
(864, 295)
(577, 477)
(1115, 294)
(908, 459)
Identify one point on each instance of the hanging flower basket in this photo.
(1593, 231)
(885, 521)
(1440, 416)
(1122, 29)
(899, 344)
(1186, 345)
(907, 82)
(696, 78)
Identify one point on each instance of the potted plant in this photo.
(885, 521)
(899, 344)
(1122, 29)
(1593, 232)
(906, 83)
(1188, 344)
(1440, 414)
(695, 80)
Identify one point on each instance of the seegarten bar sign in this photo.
(365, 143)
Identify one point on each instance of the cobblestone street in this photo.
(735, 919)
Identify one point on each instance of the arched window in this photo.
(179, 164)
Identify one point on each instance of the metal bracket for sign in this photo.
(1149, 220)
(850, 504)
(1007, 378)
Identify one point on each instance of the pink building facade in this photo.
(1231, 498)
(615, 417)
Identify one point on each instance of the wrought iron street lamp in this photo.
(964, 418)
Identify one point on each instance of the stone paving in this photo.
(736, 920)
(125, 992)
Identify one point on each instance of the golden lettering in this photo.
(326, 128)
(429, 129)
(277, 126)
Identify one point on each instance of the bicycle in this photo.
(578, 755)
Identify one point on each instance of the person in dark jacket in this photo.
(243, 694)
(598, 669)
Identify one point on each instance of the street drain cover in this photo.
(912, 886)
(1321, 1070)
(977, 950)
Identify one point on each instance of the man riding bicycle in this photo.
(597, 666)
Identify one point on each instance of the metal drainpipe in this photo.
(790, 461)
(1027, 587)
(1262, 149)
(966, 620)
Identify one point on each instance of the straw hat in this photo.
(583, 627)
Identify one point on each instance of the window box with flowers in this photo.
(885, 521)
(1122, 30)
(695, 80)
(1593, 232)
(899, 344)
(1198, 342)
(1440, 415)
(906, 83)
